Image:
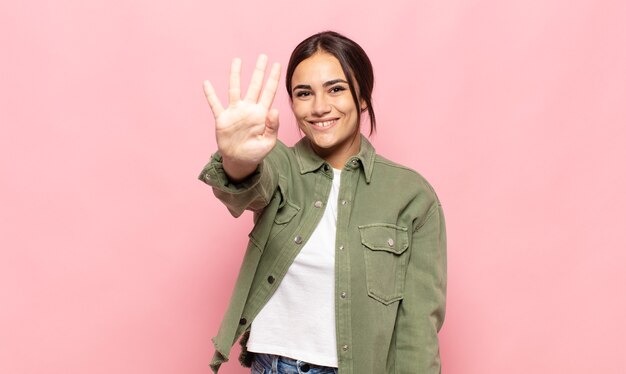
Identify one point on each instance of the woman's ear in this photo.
(363, 106)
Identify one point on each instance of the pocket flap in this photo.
(385, 237)
(286, 213)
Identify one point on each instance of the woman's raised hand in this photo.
(246, 131)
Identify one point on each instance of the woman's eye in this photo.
(302, 94)
(337, 89)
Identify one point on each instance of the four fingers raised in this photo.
(255, 89)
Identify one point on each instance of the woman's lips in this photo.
(323, 124)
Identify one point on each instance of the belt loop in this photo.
(274, 364)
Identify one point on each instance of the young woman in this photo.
(345, 270)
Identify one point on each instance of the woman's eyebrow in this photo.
(334, 81)
(302, 86)
(326, 84)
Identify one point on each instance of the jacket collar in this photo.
(309, 161)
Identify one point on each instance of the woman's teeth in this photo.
(324, 124)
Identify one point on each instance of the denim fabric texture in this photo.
(272, 364)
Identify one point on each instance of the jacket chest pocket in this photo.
(386, 256)
(274, 219)
(284, 215)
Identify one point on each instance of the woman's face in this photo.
(324, 108)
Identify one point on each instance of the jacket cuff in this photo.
(214, 175)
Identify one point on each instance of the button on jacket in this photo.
(390, 262)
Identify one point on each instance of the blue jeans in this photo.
(272, 364)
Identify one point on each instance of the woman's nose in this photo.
(321, 105)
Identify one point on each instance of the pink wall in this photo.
(115, 259)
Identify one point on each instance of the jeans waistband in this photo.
(270, 360)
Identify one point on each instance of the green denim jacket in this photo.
(390, 264)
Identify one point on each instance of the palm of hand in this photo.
(241, 132)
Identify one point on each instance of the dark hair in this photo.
(353, 60)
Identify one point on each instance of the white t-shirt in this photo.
(299, 319)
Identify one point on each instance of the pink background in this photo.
(115, 259)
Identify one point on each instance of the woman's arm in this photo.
(252, 193)
(421, 311)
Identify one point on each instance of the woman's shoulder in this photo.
(406, 182)
(387, 168)
(406, 187)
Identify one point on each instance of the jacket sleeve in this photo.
(422, 310)
(253, 193)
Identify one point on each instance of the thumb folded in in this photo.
(271, 122)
